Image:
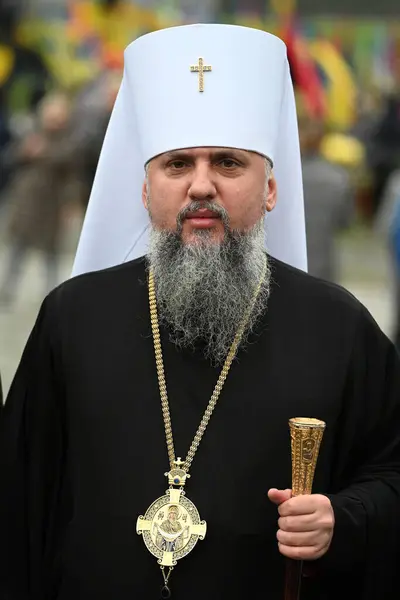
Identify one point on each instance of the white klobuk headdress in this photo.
(195, 86)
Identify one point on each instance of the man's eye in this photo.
(228, 163)
(177, 165)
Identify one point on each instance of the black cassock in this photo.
(83, 449)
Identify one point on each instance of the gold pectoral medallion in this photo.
(171, 526)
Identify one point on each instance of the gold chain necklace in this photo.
(171, 526)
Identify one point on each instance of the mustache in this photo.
(199, 204)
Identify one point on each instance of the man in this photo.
(39, 194)
(384, 144)
(329, 201)
(201, 344)
(388, 227)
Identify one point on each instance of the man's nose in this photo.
(202, 186)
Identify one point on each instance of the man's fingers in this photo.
(279, 496)
(302, 552)
(300, 505)
(305, 539)
(298, 523)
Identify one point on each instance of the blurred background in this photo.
(60, 68)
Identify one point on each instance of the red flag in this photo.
(304, 71)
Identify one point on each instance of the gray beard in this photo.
(204, 288)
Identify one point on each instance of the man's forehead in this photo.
(206, 152)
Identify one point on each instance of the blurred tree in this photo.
(24, 77)
(109, 4)
(345, 8)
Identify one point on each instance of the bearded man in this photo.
(188, 330)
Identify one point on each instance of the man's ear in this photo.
(145, 194)
(272, 194)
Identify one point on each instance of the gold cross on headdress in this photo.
(200, 69)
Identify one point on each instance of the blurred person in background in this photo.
(384, 148)
(368, 114)
(90, 116)
(5, 138)
(44, 166)
(328, 197)
(388, 226)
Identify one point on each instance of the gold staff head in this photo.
(306, 437)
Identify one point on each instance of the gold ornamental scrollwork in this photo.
(306, 437)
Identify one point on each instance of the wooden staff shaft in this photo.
(306, 436)
(293, 574)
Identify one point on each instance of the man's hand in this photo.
(306, 524)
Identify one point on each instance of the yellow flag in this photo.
(7, 60)
(341, 90)
(283, 8)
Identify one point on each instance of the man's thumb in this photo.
(279, 496)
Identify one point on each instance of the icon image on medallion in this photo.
(169, 534)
